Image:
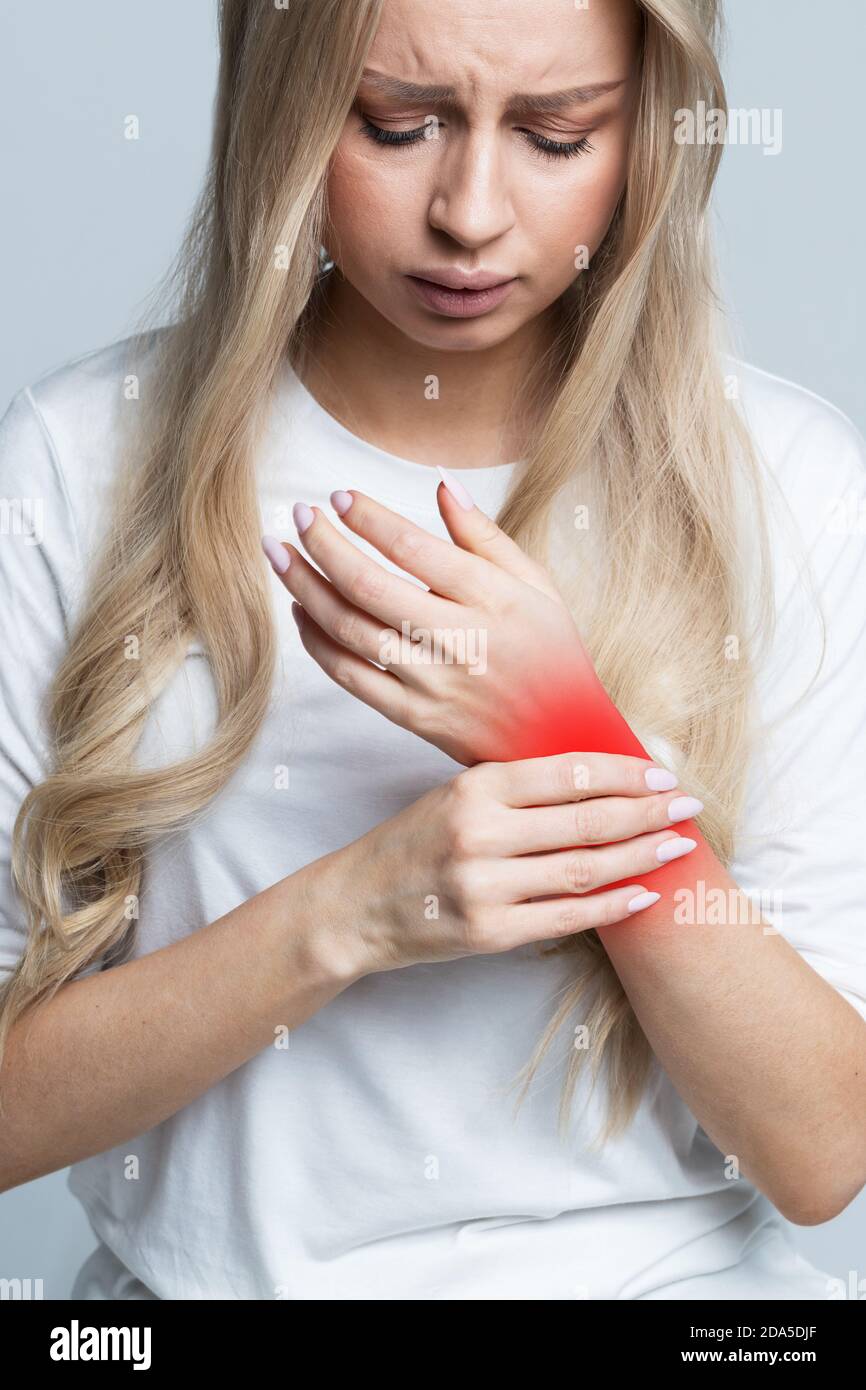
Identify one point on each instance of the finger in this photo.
(380, 690)
(473, 530)
(601, 820)
(520, 923)
(364, 582)
(561, 777)
(581, 870)
(325, 605)
(444, 567)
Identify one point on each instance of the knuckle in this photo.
(469, 827)
(367, 586)
(590, 822)
(478, 932)
(460, 828)
(488, 531)
(656, 811)
(346, 629)
(467, 788)
(405, 547)
(647, 846)
(476, 781)
(578, 872)
(463, 838)
(569, 919)
(343, 673)
(461, 884)
(575, 773)
(636, 777)
(612, 911)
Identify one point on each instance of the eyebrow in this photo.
(520, 103)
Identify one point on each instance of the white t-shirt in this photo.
(378, 1157)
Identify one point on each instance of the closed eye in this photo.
(551, 149)
(557, 148)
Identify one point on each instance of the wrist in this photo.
(574, 711)
(329, 944)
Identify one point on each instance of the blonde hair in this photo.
(639, 427)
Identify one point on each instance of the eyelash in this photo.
(549, 149)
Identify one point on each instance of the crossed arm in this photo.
(770, 1057)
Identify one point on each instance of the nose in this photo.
(471, 199)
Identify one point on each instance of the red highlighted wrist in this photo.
(577, 714)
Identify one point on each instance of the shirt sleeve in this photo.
(39, 562)
(800, 849)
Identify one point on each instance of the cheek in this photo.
(370, 205)
(578, 215)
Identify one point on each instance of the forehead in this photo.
(487, 49)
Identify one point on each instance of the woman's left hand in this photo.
(465, 663)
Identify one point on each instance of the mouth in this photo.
(461, 296)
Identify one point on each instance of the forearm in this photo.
(118, 1052)
(768, 1056)
(732, 1011)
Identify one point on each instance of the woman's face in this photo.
(475, 193)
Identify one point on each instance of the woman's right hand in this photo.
(454, 873)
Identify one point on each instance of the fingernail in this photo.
(658, 779)
(302, 516)
(456, 488)
(682, 807)
(673, 849)
(643, 900)
(298, 615)
(341, 502)
(276, 553)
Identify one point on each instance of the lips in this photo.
(473, 281)
(458, 302)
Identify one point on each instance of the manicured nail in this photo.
(673, 849)
(302, 516)
(298, 615)
(682, 807)
(456, 488)
(643, 900)
(276, 553)
(658, 779)
(341, 502)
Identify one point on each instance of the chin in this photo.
(461, 339)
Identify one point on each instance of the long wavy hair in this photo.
(639, 426)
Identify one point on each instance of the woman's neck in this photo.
(375, 381)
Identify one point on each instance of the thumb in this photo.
(475, 531)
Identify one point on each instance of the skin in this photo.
(749, 1006)
(480, 196)
(111, 1056)
(734, 1028)
(71, 1084)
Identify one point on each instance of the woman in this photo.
(298, 905)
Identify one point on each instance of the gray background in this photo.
(92, 221)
